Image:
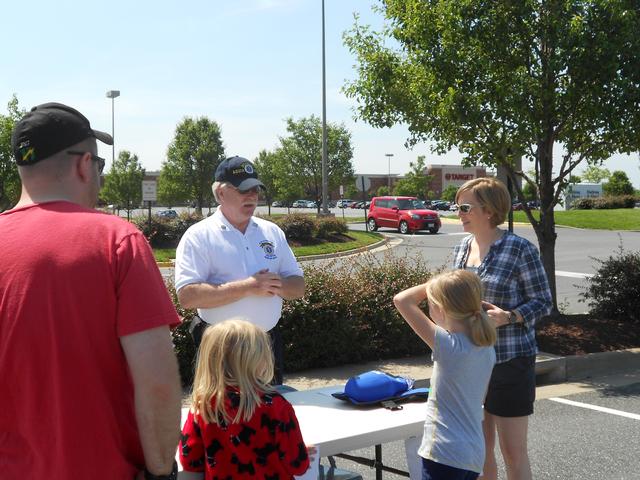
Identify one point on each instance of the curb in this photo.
(556, 369)
(346, 253)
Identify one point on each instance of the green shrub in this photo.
(165, 232)
(582, 204)
(297, 226)
(604, 203)
(330, 225)
(346, 315)
(160, 232)
(182, 341)
(614, 291)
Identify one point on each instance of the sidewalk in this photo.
(550, 369)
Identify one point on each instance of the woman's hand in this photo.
(499, 316)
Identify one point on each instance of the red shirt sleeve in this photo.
(143, 299)
(191, 446)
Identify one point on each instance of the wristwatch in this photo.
(513, 318)
(171, 476)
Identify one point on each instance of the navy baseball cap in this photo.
(239, 172)
(48, 129)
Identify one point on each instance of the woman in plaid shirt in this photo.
(516, 296)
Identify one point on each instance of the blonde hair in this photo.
(492, 195)
(459, 294)
(233, 353)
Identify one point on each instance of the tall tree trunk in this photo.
(545, 230)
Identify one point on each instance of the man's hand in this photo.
(499, 316)
(266, 284)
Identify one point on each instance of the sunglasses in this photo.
(99, 160)
(465, 207)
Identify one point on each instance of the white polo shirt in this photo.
(214, 251)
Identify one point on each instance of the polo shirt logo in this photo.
(269, 249)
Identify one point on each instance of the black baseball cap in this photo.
(239, 172)
(48, 129)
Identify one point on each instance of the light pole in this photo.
(112, 94)
(325, 179)
(389, 155)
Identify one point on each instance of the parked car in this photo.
(278, 203)
(299, 204)
(344, 203)
(407, 214)
(440, 205)
(168, 214)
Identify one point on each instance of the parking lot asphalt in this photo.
(587, 429)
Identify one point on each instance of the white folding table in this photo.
(336, 426)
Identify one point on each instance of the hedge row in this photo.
(598, 203)
(346, 316)
(164, 232)
(299, 227)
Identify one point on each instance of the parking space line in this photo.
(620, 413)
(562, 273)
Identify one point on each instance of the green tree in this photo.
(449, 193)
(266, 166)
(618, 184)
(9, 180)
(383, 190)
(415, 183)
(300, 155)
(595, 174)
(506, 80)
(123, 182)
(192, 159)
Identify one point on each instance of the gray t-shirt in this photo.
(453, 428)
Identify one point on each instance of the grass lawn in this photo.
(164, 254)
(361, 239)
(615, 219)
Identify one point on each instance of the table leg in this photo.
(378, 462)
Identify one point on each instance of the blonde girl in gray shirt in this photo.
(461, 337)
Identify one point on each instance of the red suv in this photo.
(407, 214)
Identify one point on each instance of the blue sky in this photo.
(247, 64)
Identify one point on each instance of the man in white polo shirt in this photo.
(233, 264)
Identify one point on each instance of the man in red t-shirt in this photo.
(88, 378)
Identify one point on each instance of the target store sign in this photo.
(457, 176)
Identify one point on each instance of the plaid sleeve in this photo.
(535, 287)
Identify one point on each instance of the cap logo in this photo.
(248, 168)
(28, 154)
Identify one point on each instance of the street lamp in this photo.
(325, 179)
(389, 155)
(112, 94)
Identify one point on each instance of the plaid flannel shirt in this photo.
(513, 279)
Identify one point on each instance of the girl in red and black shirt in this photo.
(238, 426)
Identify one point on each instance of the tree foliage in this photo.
(504, 80)
(9, 179)
(123, 182)
(595, 174)
(449, 193)
(618, 185)
(192, 158)
(415, 183)
(266, 166)
(300, 157)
